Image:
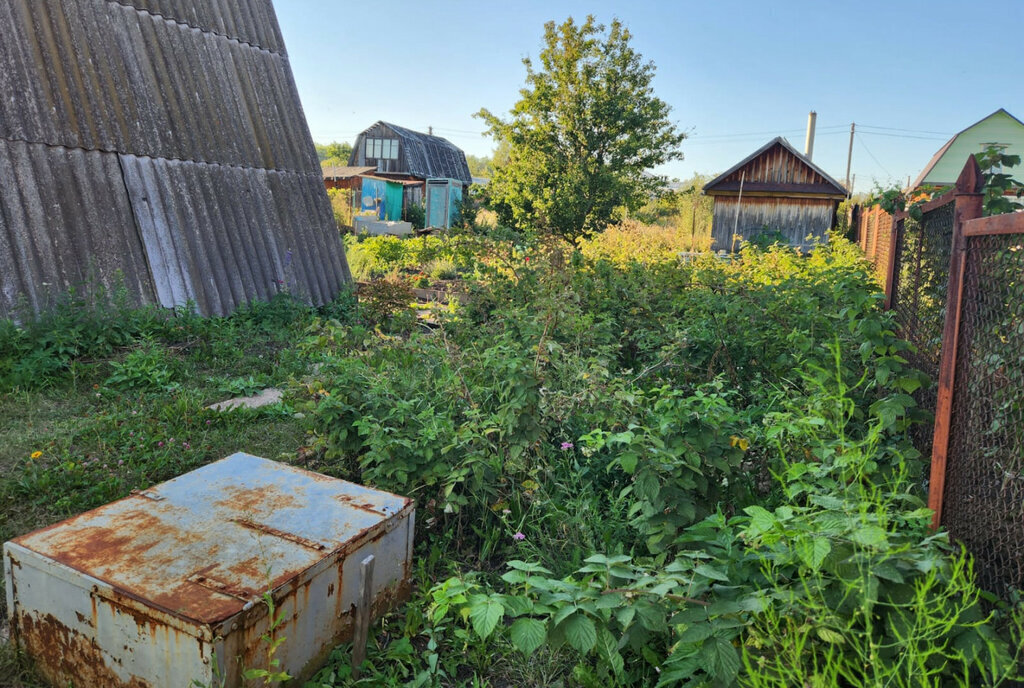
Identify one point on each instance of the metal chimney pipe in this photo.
(812, 118)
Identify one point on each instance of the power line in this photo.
(901, 136)
(912, 131)
(722, 142)
(758, 133)
(868, 151)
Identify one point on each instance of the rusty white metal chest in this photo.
(164, 588)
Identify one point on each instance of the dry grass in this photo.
(638, 242)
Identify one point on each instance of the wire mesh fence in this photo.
(874, 232)
(917, 288)
(983, 500)
(955, 284)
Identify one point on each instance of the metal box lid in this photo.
(204, 545)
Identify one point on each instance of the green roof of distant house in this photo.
(1000, 129)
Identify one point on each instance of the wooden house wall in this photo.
(795, 218)
(352, 183)
(412, 195)
(380, 131)
(775, 166)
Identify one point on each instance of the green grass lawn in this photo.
(91, 431)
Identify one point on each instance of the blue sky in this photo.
(736, 73)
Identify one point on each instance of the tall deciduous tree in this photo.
(334, 153)
(585, 133)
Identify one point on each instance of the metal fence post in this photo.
(968, 207)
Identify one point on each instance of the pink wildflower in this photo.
(518, 537)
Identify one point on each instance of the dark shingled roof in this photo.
(432, 156)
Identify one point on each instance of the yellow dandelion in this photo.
(36, 454)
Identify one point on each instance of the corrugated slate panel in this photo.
(65, 221)
(83, 74)
(247, 21)
(225, 200)
(220, 236)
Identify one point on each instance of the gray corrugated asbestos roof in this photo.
(182, 114)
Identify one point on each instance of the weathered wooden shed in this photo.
(774, 189)
(345, 177)
(160, 146)
(406, 154)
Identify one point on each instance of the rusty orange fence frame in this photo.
(882, 251)
(899, 253)
(968, 210)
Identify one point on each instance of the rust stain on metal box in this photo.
(149, 585)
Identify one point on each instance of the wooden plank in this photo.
(1011, 223)
(776, 187)
(363, 612)
(931, 205)
(890, 268)
(968, 207)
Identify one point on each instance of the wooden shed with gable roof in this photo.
(774, 189)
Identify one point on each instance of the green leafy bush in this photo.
(146, 368)
(661, 474)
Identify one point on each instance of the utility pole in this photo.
(849, 159)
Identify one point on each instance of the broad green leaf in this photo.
(485, 617)
(624, 437)
(651, 616)
(697, 633)
(761, 520)
(628, 462)
(711, 572)
(528, 635)
(830, 636)
(563, 614)
(888, 571)
(624, 615)
(608, 650)
(609, 600)
(513, 577)
(529, 567)
(813, 552)
(517, 606)
(723, 662)
(580, 632)
(869, 536)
